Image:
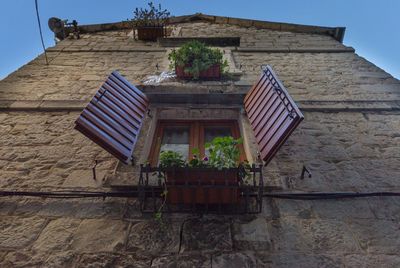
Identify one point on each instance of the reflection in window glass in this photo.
(176, 139)
(215, 131)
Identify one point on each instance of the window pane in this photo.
(176, 139)
(212, 132)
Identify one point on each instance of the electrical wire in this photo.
(134, 193)
(40, 31)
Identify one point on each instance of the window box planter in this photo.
(150, 33)
(212, 73)
(202, 185)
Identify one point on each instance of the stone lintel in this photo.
(211, 41)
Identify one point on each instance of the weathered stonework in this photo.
(349, 140)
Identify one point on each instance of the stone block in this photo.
(99, 235)
(251, 235)
(240, 22)
(206, 234)
(221, 20)
(342, 209)
(372, 260)
(266, 25)
(201, 260)
(236, 259)
(25, 105)
(306, 235)
(56, 235)
(73, 105)
(377, 236)
(102, 259)
(17, 232)
(153, 237)
(301, 260)
(84, 178)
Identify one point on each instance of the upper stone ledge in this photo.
(336, 32)
(171, 95)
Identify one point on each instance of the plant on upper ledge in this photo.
(150, 22)
(195, 60)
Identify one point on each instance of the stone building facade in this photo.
(350, 140)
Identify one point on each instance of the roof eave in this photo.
(336, 32)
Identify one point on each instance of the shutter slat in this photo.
(259, 88)
(114, 116)
(87, 128)
(264, 97)
(277, 139)
(272, 113)
(126, 96)
(108, 103)
(122, 102)
(108, 121)
(117, 101)
(130, 91)
(135, 89)
(270, 122)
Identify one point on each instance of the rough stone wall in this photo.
(74, 75)
(349, 139)
(324, 76)
(259, 38)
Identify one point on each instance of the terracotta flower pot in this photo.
(150, 33)
(202, 186)
(212, 73)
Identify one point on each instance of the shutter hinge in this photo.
(101, 96)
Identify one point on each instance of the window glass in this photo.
(176, 138)
(215, 131)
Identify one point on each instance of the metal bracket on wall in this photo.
(94, 169)
(304, 170)
(149, 113)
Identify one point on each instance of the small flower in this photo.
(205, 158)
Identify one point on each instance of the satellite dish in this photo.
(56, 25)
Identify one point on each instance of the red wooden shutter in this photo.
(114, 116)
(272, 113)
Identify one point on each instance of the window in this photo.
(183, 136)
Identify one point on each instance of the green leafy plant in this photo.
(195, 57)
(171, 159)
(153, 16)
(224, 152)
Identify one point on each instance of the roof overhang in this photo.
(336, 32)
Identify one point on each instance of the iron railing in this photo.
(186, 190)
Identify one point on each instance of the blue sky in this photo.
(372, 26)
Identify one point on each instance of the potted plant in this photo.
(150, 22)
(210, 180)
(195, 60)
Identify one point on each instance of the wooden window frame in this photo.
(196, 135)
